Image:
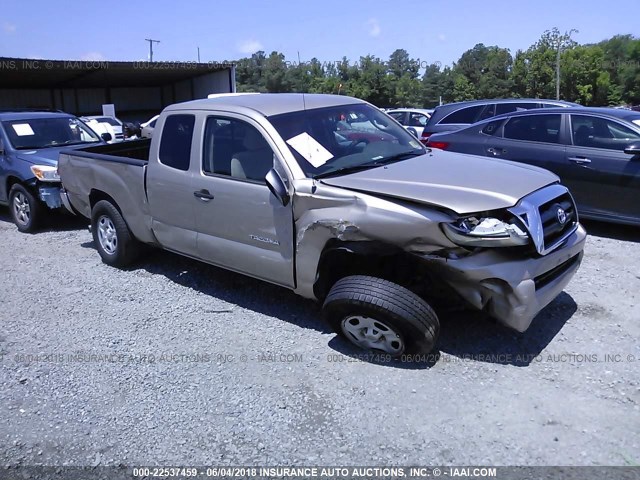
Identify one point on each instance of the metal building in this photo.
(137, 89)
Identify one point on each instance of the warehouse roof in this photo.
(38, 73)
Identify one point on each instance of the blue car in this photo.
(29, 146)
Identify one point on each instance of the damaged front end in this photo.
(514, 284)
(509, 263)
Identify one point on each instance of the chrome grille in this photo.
(549, 215)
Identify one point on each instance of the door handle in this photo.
(579, 160)
(203, 195)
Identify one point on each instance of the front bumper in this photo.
(510, 288)
(50, 194)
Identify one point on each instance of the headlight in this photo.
(45, 173)
(485, 232)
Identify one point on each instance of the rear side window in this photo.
(398, 116)
(488, 112)
(515, 107)
(175, 144)
(464, 115)
(534, 128)
(417, 120)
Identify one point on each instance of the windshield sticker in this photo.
(310, 149)
(23, 129)
(637, 122)
(414, 144)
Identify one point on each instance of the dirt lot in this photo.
(176, 362)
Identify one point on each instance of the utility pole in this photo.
(562, 41)
(198, 54)
(151, 42)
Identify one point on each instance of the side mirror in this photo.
(277, 187)
(106, 137)
(633, 149)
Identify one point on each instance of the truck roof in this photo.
(268, 104)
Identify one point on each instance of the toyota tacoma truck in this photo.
(376, 227)
(30, 142)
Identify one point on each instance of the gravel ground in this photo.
(174, 362)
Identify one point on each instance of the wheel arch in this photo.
(340, 259)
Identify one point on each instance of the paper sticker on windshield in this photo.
(414, 144)
(23, 129)
(310, 149)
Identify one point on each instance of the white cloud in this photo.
(374, 27)
(250, 46)
(92, 56)
(8, 27)
(442, 37)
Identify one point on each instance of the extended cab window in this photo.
(175, 144)
(464, 115)
(235, 148)
(601, 133)
(534, 128)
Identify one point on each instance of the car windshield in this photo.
(35, 133)
(340, 139)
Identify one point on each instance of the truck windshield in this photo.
(35, 133)
(343, 139)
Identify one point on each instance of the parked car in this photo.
(146, 129)
(116, 124)
(454, 116)
(594, 151)
(378, 232)
(29, 146)
(413, 119)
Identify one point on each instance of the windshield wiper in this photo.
(78, 142)
(368, 165)
(31, 147)
(347, 170)
(399, 157)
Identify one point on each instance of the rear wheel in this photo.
(379, 315)
(114, 241)
(26, 209)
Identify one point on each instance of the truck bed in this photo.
(118, 152)
(116, 172)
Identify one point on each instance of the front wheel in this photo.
(379, 315)
(114, 242)
(26, 210)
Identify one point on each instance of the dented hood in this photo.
(458, 182)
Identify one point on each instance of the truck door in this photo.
(170, 186)
(241, 225)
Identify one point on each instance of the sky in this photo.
(430, 30)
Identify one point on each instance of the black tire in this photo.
(26, 209)
(114, 241)
(384, 304)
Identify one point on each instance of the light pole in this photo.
(562, 39)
